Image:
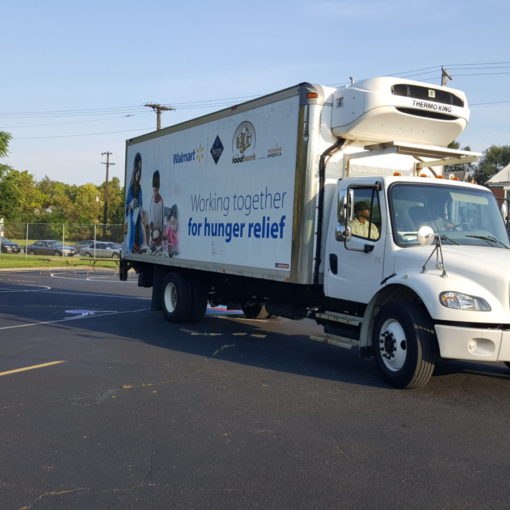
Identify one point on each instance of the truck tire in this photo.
(405, 344)
(255, 311)
(177, 297)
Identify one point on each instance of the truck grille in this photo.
(426, 94)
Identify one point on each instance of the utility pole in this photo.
(444, 77)
(107, 163)
(158, 109)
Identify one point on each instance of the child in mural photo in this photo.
(134, 213)
(156, 212)
(170, 235)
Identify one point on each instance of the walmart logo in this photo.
(187, 157)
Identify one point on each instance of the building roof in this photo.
(502, 177)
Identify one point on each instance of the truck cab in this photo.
(430, 266)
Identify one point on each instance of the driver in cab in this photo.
(361, 225)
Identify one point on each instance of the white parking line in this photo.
(97, 278)
(40, 289)
(67, 319)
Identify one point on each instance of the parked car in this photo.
(82, 244)
(50, 247)
(10, 246)
(101, 249)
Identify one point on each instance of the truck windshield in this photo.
(459, 215)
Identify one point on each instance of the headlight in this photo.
(463, 302)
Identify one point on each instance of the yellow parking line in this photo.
(33, 367)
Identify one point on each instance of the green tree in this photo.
(492, 161)
(58, 205)
(20, 201)
(87, 204)
(4, 147)
(5, 138)
(115, 201)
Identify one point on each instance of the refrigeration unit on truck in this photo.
(327, 203)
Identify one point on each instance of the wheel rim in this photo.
(170, 297)
(393, 345)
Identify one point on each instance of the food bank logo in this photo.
(243, 143)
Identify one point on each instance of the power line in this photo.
(73, 122)
(130, 111)
(226, 101)
(490, 102)
(81, 134)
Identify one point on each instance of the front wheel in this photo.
(57, 253)
(405, 344)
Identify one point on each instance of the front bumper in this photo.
(473, 344)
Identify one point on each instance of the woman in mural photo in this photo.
(156, 214)
(134, 213)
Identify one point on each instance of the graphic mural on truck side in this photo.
(192, 196)
(153, 231)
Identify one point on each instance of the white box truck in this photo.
(325, 203)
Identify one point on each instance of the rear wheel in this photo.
(255, 311)
(115, 255)
(31, 252)
(184, 298)
(87, 254)
(405, 345)
(507, 363)
(177, 298)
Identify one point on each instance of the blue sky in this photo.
(76, 74)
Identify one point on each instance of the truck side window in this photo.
(367, 214)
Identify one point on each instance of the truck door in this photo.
(355, 248)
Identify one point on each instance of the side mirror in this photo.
(504, 211)
(343, 233)
(425, 235)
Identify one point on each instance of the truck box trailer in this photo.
(326, 203)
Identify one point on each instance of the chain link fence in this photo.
(65, 233)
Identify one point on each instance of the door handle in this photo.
(333, 263)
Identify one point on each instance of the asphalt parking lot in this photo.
(105, 405)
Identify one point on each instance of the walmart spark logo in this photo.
(200, 153)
